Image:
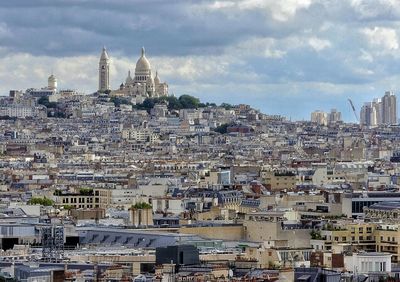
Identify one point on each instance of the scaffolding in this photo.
(53, 243)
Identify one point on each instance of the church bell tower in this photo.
(104, 71)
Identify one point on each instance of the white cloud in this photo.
(274, 53)
(22, 71)
(319, 44)
(279, 10)
(217, 5)
(382, 37)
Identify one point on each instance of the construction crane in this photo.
(353, 108)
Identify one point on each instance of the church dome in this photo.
(52, 78)
(142, 65)
(52, 82)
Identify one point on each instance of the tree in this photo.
(174, 103)
(205, 105)
(189, 102)
(226, 106)
(53, 108)
(86, 191)
(40, 201)
(44, 100)
(147, 104)
(183, 102)
(315, 235)
(119, 101)
(223, 128)
(141, 206)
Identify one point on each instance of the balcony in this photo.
(388, 242)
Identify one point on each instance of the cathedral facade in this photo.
(142, 85)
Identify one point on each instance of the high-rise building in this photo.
(379, 111)
(377, 105)
(319, 117)
(368, 114)
(334, 116)
(104, 71)
(389, 108)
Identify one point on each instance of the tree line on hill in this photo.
(183, 102)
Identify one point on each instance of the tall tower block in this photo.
(104, 71)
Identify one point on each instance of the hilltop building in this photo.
(142, 85)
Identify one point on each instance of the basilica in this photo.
(141, 86)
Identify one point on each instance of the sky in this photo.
(287, 57)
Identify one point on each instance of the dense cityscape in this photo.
(135, 184)
(199, 141)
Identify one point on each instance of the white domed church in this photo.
(143, 84)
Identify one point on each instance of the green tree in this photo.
(174, 103)
(226, 106)
(44, 100)
(315, 235)
(223, 128)
(86, 191)
(41, 201)
(119, 101)
(141, 205)
(189, 102)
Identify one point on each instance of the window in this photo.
(360, 230)
(284, 255)
(344, 238)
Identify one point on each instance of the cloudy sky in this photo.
(285, 57)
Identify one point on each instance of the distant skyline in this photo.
(287, 57)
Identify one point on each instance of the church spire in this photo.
(143, 52)
(104, 55)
